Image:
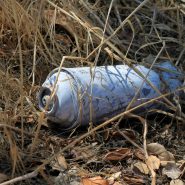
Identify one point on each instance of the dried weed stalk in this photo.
(36, 35)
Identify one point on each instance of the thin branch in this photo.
(21, 178)
(130, 140)
(35, 172)
(72, 144)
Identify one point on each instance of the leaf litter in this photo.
(49, 30)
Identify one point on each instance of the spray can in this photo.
(85, 94)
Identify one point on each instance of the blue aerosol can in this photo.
(93, 94)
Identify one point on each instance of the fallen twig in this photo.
(21, 178)
(130, 140)
(72, 144)
(103, 125)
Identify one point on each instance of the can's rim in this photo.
(49, 106)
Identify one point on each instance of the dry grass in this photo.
(35, 35)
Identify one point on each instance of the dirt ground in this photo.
(34, 38)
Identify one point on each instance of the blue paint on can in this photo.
(81, 98)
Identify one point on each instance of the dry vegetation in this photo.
(34, 37)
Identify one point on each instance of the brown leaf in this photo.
(3, 177)
(108, 134)
(114, 177)
(160, 151)
(172, 171)
(118, 154)
(139, 154)
(84, 153)
(82, 173)
(142, 167)
(128, 132)
(177, 182)
(60, 163)
(94, 181)
(133, 179)
(153, 162)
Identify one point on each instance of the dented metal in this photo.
(83, 94)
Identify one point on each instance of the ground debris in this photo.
(176, 182)
(3, 177)
(172, 171)
(34, 37)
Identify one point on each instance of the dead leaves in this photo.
(118, 154)
(124, 153)
(94, 181)
(114, 177)
(84, 153)
(3, 177)
(127, 179)
(158, 157)
(172, 171)
(160, 151)
(153, 162)
(133, 179)
(139, 154)
(142, 167)
(165, 159)
(60, 163)
(177, 182)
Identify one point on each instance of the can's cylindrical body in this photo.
(85, 94)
